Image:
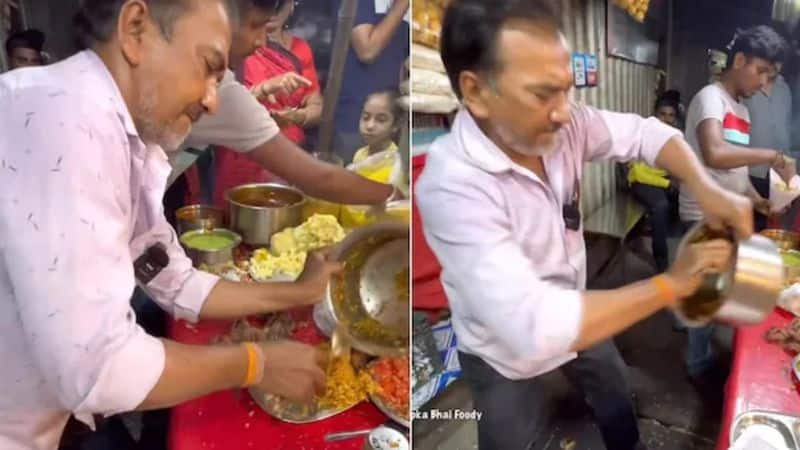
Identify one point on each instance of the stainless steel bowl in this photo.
(198, 217)
(211, 257)
(744, 294)
(366, 297)
(259, 210)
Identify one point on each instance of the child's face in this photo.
(377, 124)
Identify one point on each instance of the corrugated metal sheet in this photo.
(623, 86)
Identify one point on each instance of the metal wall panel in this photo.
(623, 86)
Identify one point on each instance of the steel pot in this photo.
(259, 210)
(198, 217)
(211, 257)
(744, 294)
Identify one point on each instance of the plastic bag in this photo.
(426, 24)
(384, 167)
(425, 81)
(432, 104)
(782, 195)
(426, 58)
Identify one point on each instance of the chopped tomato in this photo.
(391, 374)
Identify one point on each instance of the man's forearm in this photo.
(232, 300)
(608, 313)
(340, 185)
(191, 371)
(733, 156)
(677, 158)
(316, 178)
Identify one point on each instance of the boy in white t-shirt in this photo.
(718, 129)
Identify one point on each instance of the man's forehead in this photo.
(208, 26)
(522, 40)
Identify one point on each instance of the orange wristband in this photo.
(255, 364)
(665, 288)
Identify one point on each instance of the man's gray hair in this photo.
(96, 20)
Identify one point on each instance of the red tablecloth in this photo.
(760, 376)
(232, 421)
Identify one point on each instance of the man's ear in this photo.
(474, 92)
(132, 24)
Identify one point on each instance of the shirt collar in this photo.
(477, 147)
(97, 66)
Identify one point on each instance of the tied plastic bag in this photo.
(426, 23)
(426, 58)
(431, 104)
(425, 81)
(384, 167)
(782, 195)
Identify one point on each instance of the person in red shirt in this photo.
(283, 76)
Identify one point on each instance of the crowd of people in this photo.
(515, 273)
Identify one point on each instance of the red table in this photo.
(230, 420)
(760, 376)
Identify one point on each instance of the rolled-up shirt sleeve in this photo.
(616, 136)
(179, 288)
(69, 262)
(490, 281)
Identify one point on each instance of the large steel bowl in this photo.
(370, 297)
(745, 293)
(259, 210)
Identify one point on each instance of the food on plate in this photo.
(277, 327)
(391, 377)
(787, 337)
(289, 247)
(208, 241)
(229, 271)
(264, 265)
(344, 387)
(320, 230)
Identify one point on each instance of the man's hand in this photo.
(290, 116)
(786, 168)
(317, 273)
(286, 84)
(762, 206)
(293, 371)
(697, 260)
(723, 209)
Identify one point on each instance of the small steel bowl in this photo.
(198, 217)
(365, 297)
(211, 257)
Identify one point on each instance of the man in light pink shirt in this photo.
(83, 170)
(499, 200)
